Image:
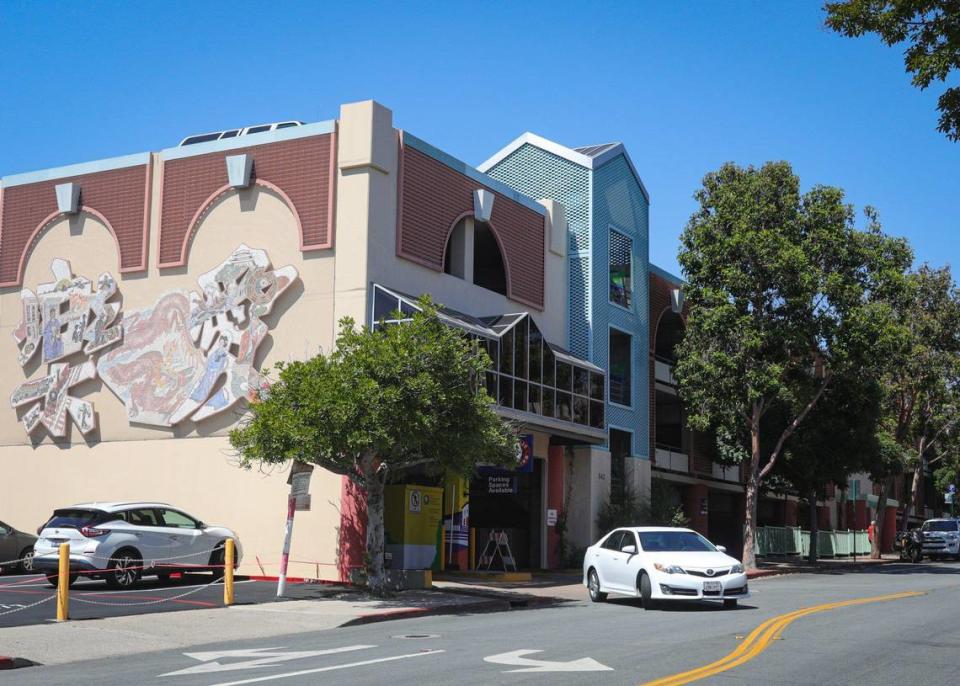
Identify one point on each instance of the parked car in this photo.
(941, 538)
(659, 563)
(16, 549)
(121, 541)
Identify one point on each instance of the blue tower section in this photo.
(601, 193)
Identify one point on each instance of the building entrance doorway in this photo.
(511, 502)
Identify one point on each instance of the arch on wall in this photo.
(670, 330)
(497, 243)
(212, 199)
(49, 221)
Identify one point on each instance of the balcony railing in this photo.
(663, 371)
(672, 460)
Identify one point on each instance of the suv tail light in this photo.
(90, 532)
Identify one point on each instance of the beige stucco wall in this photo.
(197, 472)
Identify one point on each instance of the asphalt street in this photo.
(906, 640)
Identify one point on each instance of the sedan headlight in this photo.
(736, 569)
(668, 569)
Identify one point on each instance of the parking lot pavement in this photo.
(29, 599)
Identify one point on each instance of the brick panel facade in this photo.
(433, 197)
(302, 169)
(120, 196)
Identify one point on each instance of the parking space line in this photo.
(331, 668)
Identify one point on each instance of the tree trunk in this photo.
(913, 495)
(752, 494)
(373, 480)
(885, 487)
(814, 528)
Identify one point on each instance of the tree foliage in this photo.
(931, 28)
(922, 384)
(785, 294)
(383, 400)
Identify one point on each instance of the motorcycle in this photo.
(910, 545)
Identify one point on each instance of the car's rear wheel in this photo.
(54, 579)
(26, 560)
(730, 604)
(646, 591)
(593, 584)
(124, 569)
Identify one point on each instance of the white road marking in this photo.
(332, 668)
(262, 657)
(515, 658)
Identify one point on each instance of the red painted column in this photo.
(694, 497)
(790, 513)
(889, 529)
(823, 518)
(555, 469)
(353, 528)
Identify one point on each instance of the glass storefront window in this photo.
(596, 386)
(580, 410)
(548, 402)
(564, 409)
(536, 354)
(520, 395)
(581, 381)
(520, 350)
(506, 353)
(549, 362)
(493, 350)
(492, 385)
(506, 391)
(535, 404)
(564, 376)
(596, 415)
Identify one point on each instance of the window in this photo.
(621, 269)
(142, 517)
(620, 449)
(258, 129)
(613, 541)
(621, 368)
(230, 134)
(488, 271)
(178, 520)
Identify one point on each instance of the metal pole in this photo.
(63, 584)
(285, 557)
(228, 560)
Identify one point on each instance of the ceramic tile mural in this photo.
(175, 354)
(190, 355)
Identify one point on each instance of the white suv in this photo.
(120, 541)
(941, 538)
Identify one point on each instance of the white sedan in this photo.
(658, 563)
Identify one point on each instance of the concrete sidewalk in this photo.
(72, 641)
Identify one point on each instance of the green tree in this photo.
(838, 438)
(785, 293)
(383, 400)
(930, 27)
(922, 383)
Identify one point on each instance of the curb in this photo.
(484, 606)
(859, 566)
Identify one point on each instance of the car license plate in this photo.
(711, 586)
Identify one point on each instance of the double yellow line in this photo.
(760, 638)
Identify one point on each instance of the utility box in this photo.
(412, 521)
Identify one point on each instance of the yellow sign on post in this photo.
(63, 584)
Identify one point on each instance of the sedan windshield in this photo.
(940, 526)
(674, 541)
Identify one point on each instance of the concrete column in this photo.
(695, 496)
(589, 489)
(366, 201)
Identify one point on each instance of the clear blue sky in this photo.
(685, 85)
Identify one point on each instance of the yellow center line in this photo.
(761, 637)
